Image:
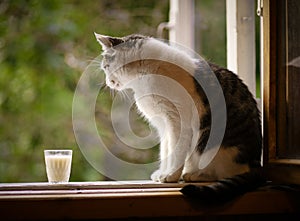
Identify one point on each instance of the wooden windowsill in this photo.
(140, 199)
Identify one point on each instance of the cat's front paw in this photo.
(155, 176)
(165, 177)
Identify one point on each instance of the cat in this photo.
(169, 95)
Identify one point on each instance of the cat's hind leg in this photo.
(198, 176)
(192, 173)
(223, 165)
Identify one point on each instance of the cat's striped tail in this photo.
(226, 189)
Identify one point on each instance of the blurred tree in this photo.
(44, 47)
(210, 30)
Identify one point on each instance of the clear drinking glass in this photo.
(58, 165)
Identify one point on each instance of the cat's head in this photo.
(121, 57)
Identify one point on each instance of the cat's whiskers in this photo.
(122, 96)
(93, 60)
(95, 63)
(127, 96)
(112, 93)
(102, 85)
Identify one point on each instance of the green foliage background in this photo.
(44, 47)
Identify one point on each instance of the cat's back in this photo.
(243, 125)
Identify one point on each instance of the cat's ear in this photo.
(107, 41)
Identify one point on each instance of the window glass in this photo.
(288, 79)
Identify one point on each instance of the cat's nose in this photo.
(113, 83)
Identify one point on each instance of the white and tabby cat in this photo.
(183, 119)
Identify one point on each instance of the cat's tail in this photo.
(226, 189)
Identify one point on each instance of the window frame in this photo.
(278, 170)
(132, 199)
(96, 200)
(240, 31)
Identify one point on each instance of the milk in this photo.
(58, 166)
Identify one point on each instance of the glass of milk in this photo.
(58, 165)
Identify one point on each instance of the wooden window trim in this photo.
(143, 199)
(278, 170)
